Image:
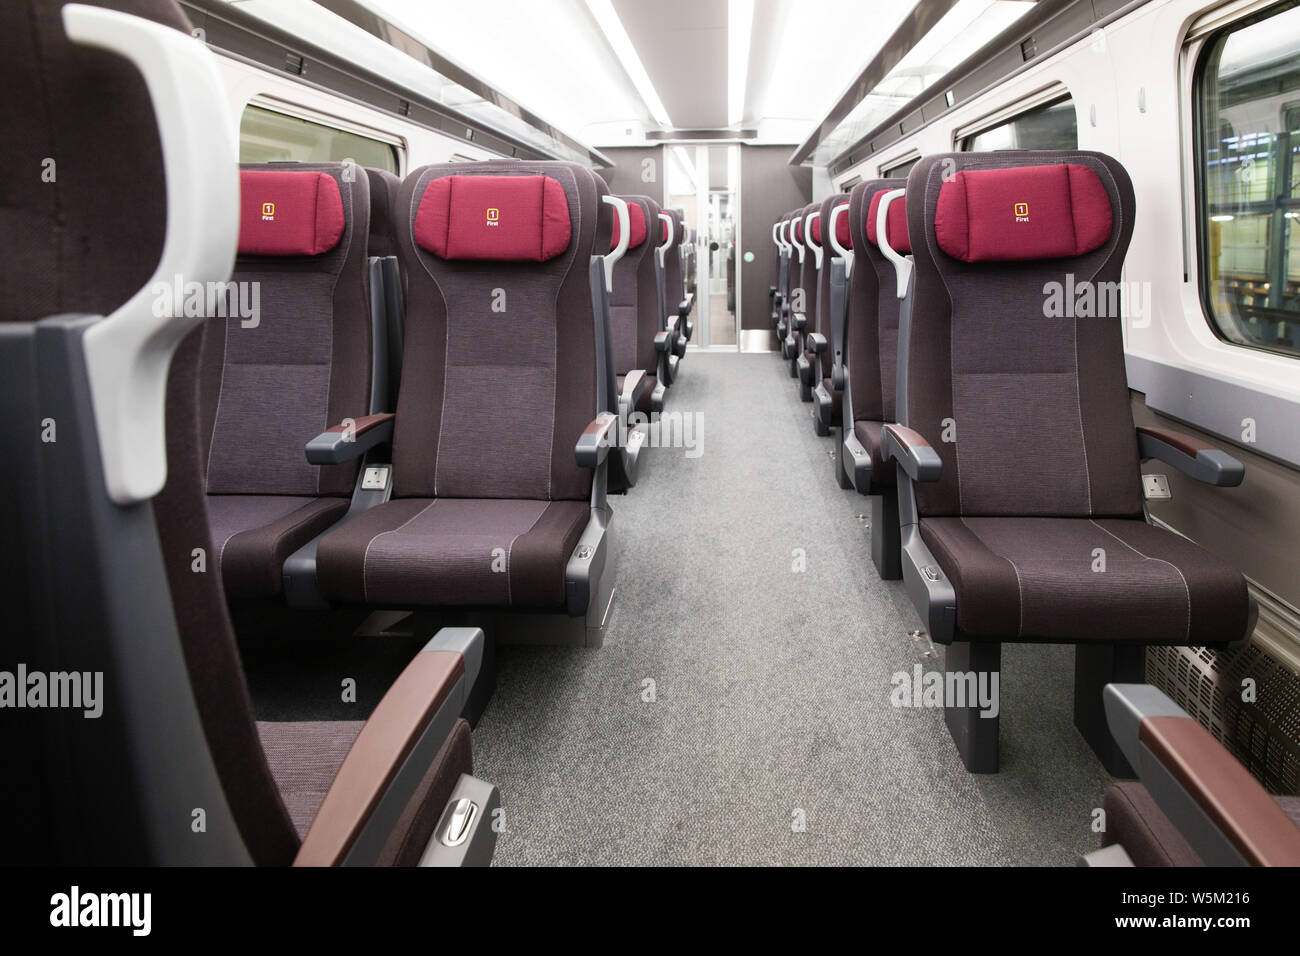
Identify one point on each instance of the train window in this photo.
(1050, 126)
(266, 136)
(900, 170)
(1248, 133)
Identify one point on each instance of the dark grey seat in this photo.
(306, 362)
(640, 345)
(1021, 499)
(501, 379)
(112, 583)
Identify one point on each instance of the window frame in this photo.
(962, 141)
(1200, 197)
(396, 144)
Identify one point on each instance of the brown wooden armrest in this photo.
(1244, 812)
(378, 753)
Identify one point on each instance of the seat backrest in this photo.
(820, 224)
(810, 276)
(1026, 378)
(500, 359)
(94, 592)
(674, 286)
(634, 303)
(304, 362)
(873, 303)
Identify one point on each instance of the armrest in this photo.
(798, 320)
(393, 752)
(817, 342)
(912, 452)
(593, 444)
(1190, 455)
(684, 307)
(633, 386)
(350, 439)
(663, 341)
(1194, 779)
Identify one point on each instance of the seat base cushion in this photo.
(421, 552)
(1135, 822)
(1085, 579)
(868, 433)
(305, 757)
(252, 535)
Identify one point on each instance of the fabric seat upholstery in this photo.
(455, 551)
(488, 501)
(1030, 412)
(269, 387)
(1039, 579)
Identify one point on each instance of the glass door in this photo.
(703, 185)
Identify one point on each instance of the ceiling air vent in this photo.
(293, 63)
(1028, 49)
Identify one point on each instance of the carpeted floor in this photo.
(770, 686)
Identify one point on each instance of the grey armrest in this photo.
(1190, 456)
(912, 452)
(798, 320)
(345, 442)
(817, 342)
(633, 386)
(663, 341)
(593, 444)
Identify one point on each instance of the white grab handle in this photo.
(794, 239)
(844, 253)
(902, 264)
(807, 231)
(624, 237)
(782, 241)
(128, 354)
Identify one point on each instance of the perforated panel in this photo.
(1264, 735)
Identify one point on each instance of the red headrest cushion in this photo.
(636, 226)
(842, 235)
(895, 223)
(798, 229)
(501, 218)
(1022, 212)
(817, 228)
(288, 212)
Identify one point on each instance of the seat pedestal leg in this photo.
(1095, 666)
(886, 536)
(976, 737)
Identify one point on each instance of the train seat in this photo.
(1195, 804)
(1021, 500)
(675, 305)
(826, 345)
(302, 362)
(872, 364)
(805, 319)
(634, 310)
(808, 362)
(502, 432)
(792, 345)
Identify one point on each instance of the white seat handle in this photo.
(128, 354)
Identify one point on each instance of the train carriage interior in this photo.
(651, 433)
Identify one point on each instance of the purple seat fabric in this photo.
(271, 384)
(488, 500)
(634, 306)
(1040, 461)
(304, 758)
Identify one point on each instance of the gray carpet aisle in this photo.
(772, 687)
